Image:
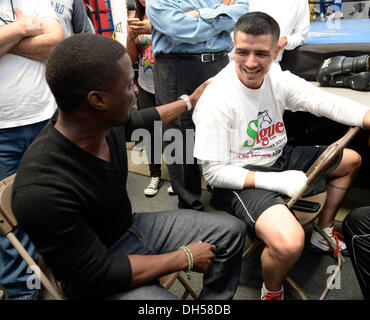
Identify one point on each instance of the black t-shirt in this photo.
(74, 206)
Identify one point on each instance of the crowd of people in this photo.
(69, 102)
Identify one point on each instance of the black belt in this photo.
(202, 57)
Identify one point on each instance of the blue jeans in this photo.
(13, 270)
(162, 232)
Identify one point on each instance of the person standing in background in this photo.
(139, 46)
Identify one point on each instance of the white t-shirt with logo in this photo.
(237, 126)
(25, 97)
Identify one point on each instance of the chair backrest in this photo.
(8, 222)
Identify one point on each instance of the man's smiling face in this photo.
(253, 56)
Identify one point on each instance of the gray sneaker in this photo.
(153, 187)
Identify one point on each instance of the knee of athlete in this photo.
(355, 159)
(358, 160)
(290, 245)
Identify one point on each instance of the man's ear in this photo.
(98, 100)
(277, 50)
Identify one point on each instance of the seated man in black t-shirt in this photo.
(70, 190)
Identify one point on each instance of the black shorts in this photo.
(248, 204)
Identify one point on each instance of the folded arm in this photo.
(169, 18)
(12, 33)
(40, 46)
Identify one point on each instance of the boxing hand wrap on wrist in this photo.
(286, 182)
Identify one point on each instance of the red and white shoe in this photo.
(319, 245)
(272, 295)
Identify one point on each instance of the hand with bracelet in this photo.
(199, 256)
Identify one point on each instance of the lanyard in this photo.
(7, 21)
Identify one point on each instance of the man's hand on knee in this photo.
(203, 254)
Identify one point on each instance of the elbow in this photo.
(46, 53)
(210, 179)
(52, 45)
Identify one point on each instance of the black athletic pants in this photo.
(356, 232)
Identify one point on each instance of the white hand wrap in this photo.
(286, 182)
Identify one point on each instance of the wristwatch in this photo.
(185, 97)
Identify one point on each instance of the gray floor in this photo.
(310, 273)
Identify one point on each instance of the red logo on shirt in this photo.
(262, 129)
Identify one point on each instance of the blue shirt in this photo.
(173, 31)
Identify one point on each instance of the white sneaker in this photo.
(272, 295)
(153, 187)
(170, 191)
(318, 243)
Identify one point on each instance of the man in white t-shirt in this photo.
(29, 31)
(241, 138)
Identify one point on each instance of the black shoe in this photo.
(196, 205)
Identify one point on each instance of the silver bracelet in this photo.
(185, 97)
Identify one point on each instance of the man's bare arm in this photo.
(170, 111)
(39, 47)
(12, 33)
